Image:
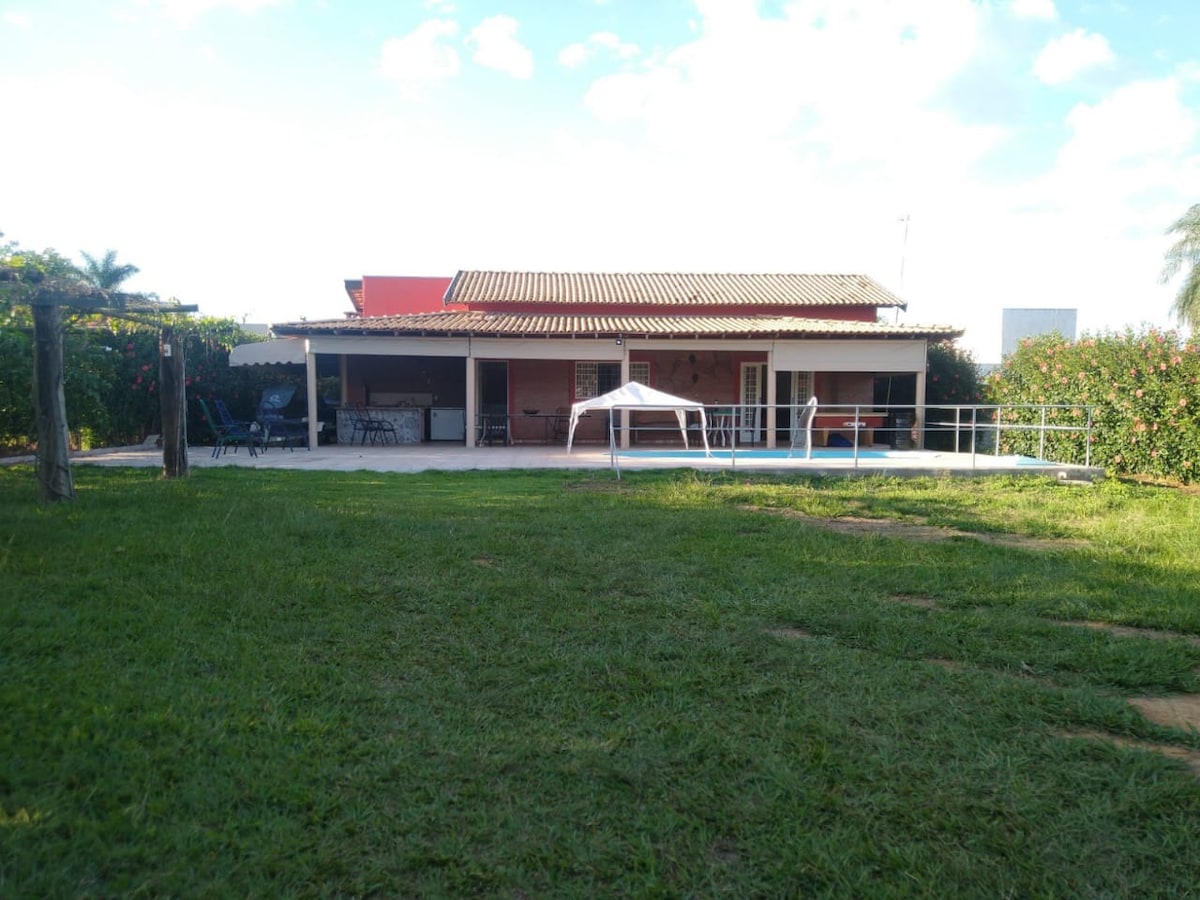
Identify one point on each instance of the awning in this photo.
(268, 353)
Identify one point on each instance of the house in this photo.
(521, 347)
(393, 295)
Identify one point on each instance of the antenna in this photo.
(903, 253)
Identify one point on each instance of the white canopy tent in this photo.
(638, 397)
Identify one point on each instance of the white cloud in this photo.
(440, 7)
(186, 11)
(496, 47)
(575, 55)
(421, 57)
(746, 79)
(16, 18)
(1034, 9)
(1065, 57)
(1136, 123)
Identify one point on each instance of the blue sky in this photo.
(250, 155)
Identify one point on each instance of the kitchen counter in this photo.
(409, 422)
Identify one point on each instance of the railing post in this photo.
(1042, 435)
(856, 421)
(1087, 447)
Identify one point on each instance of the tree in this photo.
(105, 273)
(1185, 253)
(46, 283)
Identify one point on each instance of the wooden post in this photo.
(50, 405)
(173, 404)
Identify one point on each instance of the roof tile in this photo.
(486, 324)
(668, 289)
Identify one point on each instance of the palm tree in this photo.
(105, 273)
(1185, 252)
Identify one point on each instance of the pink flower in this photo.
(146, 367)
(1138, 392)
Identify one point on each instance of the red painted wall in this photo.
(393, 295)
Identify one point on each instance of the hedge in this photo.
(1143, 389)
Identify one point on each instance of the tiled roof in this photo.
(485, 324)
(354, 290)
(582, 288)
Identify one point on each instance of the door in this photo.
(492, 400)
(750, 415)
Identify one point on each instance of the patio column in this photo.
(919, 411)
(310, 385)
(772, 399)
(625, 413)
(469, 414)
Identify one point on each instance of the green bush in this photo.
(1143, 390)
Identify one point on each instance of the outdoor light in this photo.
(620, 341)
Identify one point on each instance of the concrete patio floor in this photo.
(453, 457)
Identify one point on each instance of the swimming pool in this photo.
(752, 454)
(759, 453)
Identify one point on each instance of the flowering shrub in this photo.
(951, 377)
(1144, 390)
(111, 379)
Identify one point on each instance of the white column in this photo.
(919, 413)
(470, 411)
(625, 413)
(310, 373)
(772, 399)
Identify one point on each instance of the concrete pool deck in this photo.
(453, 457)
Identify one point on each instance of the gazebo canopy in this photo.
(637, 396)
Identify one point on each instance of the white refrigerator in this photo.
(447, 424)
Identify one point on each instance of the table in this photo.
(290, 433)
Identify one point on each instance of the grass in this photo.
(551, 684)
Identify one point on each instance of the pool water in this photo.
(818, 454)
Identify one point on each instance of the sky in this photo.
(249, 156)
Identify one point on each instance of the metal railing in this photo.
(734, 426)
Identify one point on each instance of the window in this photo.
(803, 387)
(593, 379)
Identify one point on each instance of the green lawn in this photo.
(257, 683)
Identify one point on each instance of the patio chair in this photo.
(802, 425)
(276, 427)
(228, 431)
(372, 426)
(560, 425)
(494, 427)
